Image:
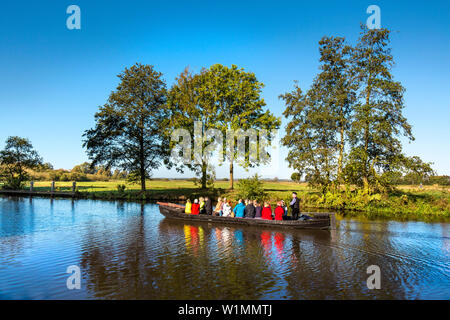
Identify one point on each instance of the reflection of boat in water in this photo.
(318, 221)
(275, 244)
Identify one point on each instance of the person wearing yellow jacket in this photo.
(188, 208)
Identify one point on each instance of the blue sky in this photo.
(53, 79)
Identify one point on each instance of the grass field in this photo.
(430, 203)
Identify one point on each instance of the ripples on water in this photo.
(129, 251)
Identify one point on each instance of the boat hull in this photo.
(319, 220)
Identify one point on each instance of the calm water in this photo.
(129, 251)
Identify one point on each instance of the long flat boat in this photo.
(319, 220)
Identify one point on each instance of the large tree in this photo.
(18, 156)
(130, 131)
(192, 111)
(310, 135)
(225, 99)
(337, 89)
(237, 95)
(319, 120)
(378, 120)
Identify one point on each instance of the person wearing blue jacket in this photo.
(239, 210)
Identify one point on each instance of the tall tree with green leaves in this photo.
(191, 109)
(17, 157)
(236, 94)
(311, 135)
(130, 130)
(337, 88)
(378, 120)
(320, 119)
(224, 99)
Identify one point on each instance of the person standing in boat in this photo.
(239, 209)
(295, 206)
(258, 209)
(195, 207)
(208, 206)
(279, 211)
(266, 211)
(188, 207)
(249, 210)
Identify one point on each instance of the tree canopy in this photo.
(130, 131)
(346, 127)
(18, 156)
(226, 99)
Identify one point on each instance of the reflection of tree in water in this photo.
(16, 220)
(113, 260)
(322, 269)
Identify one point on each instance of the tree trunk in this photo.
(204, 173)
(231, 175)
(142, 165)
(366, 138)
(341, 156)
(142, 173)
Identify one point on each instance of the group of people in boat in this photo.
(251, 209)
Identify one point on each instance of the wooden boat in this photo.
(321, 220)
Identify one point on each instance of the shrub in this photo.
(251, 188)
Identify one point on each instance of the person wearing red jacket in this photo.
(195, 207)
(279, 211)
(266, 211)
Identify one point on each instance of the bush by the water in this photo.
(396, 205)
(251, 188)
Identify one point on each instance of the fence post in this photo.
(31, 186)
(74, 186)
(53, 186)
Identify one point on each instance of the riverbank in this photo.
(431, 203)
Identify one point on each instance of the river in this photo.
(129, 251)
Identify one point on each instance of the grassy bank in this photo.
(431, 203)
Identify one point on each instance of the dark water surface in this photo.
(129, 251)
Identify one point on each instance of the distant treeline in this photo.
(414, 180)
(81, 172)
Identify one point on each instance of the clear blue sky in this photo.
(53, 79)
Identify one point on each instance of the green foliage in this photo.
(251, 188)
(17, 157)
(296, 177)
(378, 121)
(219, 98)
(319, 119)
(440, 180)
(130, 131)
(353, 104)
(119, 175)
(121, 188)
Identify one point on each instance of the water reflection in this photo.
(128, 251)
